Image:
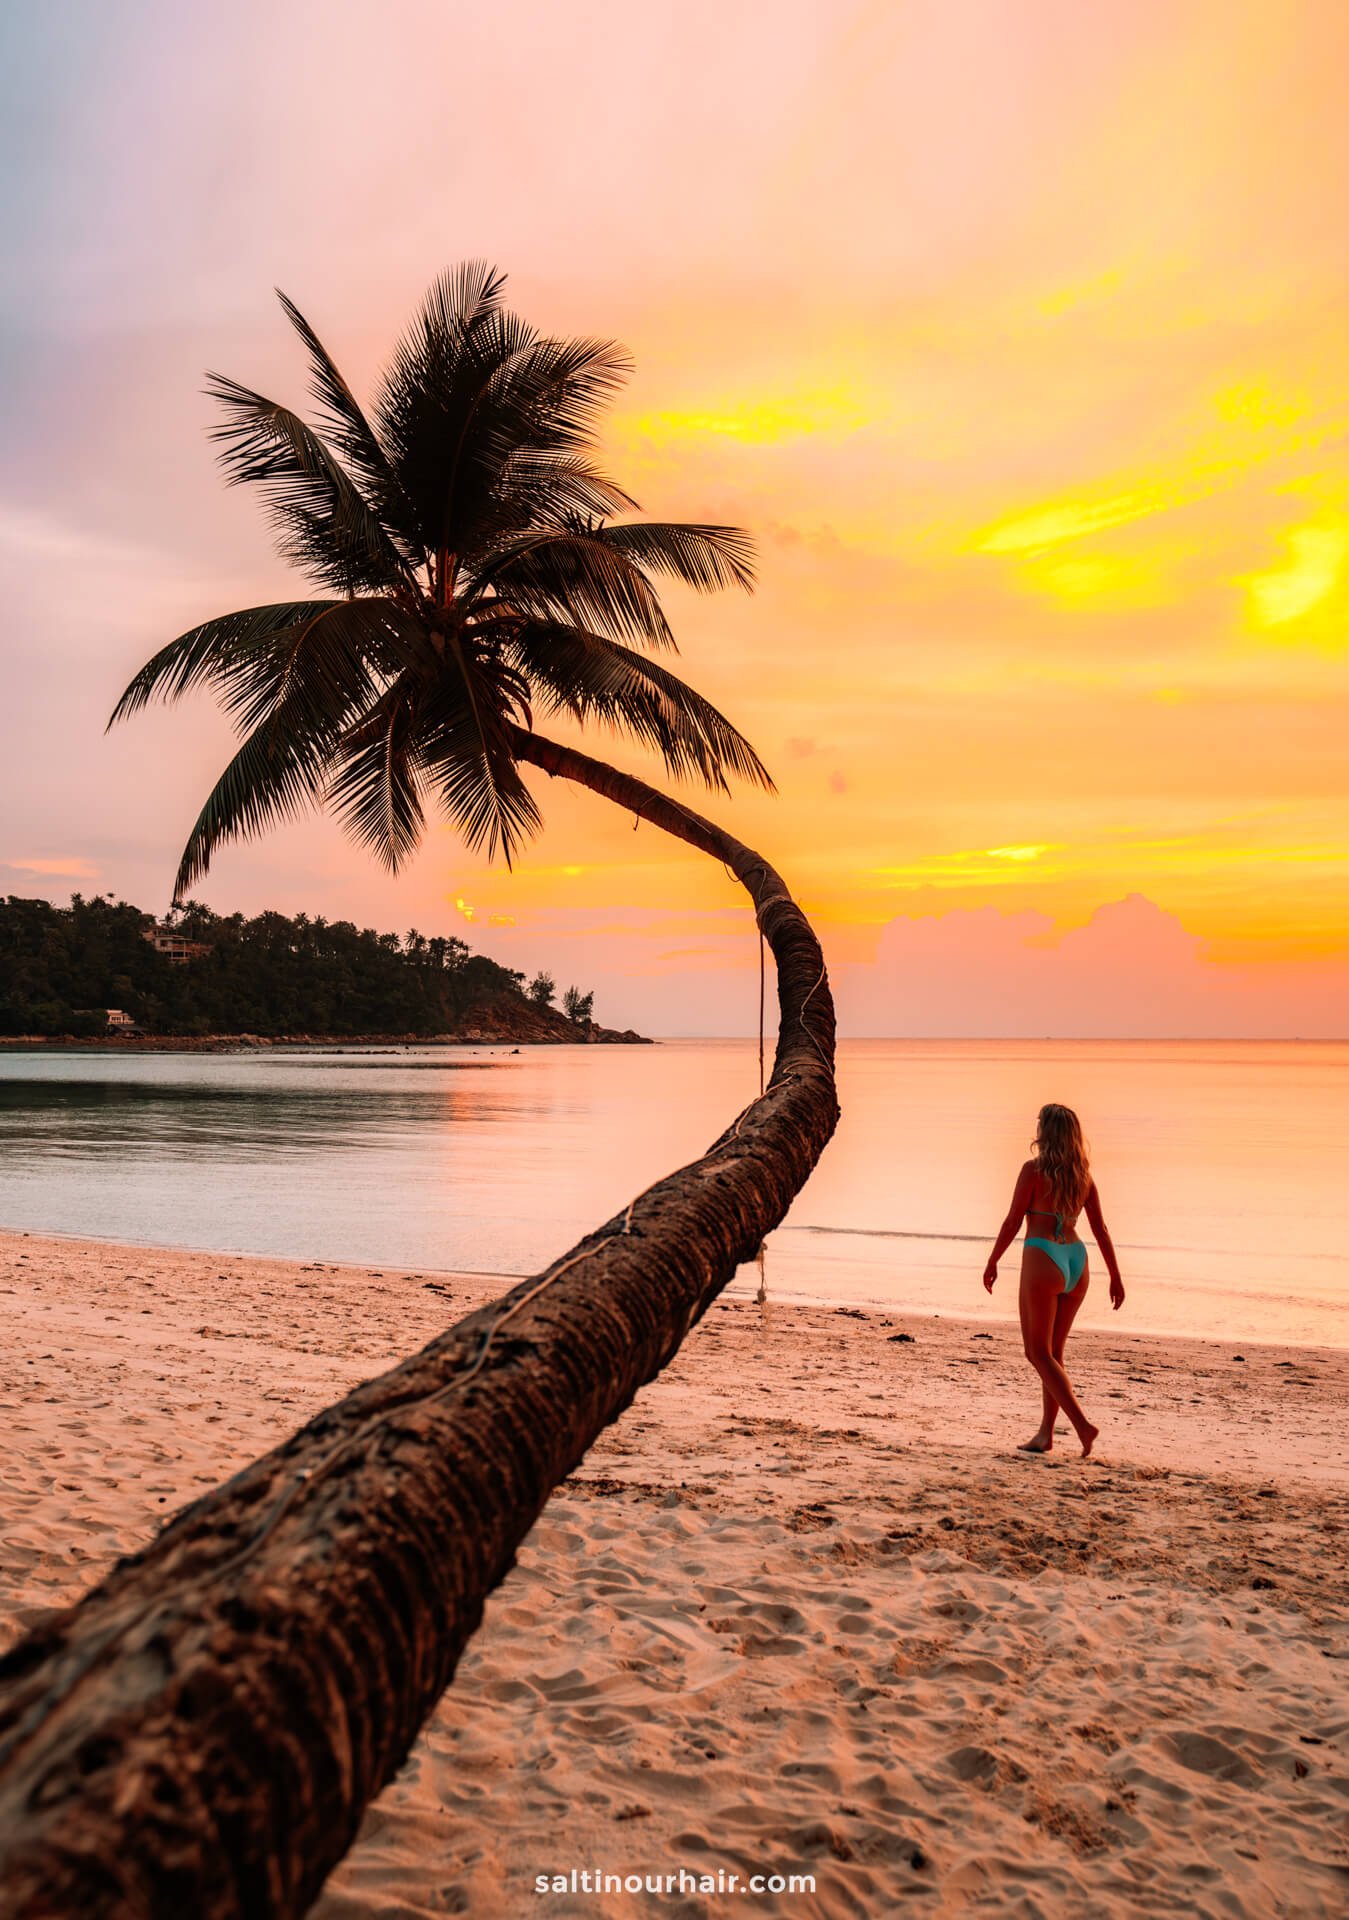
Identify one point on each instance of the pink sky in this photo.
(1014, 330)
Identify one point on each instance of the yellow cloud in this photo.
(1221, 867)
(1082, 293)
(1048, 526)
(1261, 425)
(1255, 404)
(829, 411)
(1316, 558)
(1088, 579)
(966, 869)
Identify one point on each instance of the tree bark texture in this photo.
(201, 1734)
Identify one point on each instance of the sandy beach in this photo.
(803, 1611)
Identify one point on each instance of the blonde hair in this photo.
(1062, 1156)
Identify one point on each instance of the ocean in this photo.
(1223, 1167)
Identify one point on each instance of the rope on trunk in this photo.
(761, 1001)
(761, 1296)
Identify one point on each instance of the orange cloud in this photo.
(64, 868)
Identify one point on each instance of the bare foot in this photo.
(1037, 1444)
(1088, 1440)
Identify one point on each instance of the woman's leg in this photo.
(1042, 1440)
(1038, 1304)
(1065, 1312)
(1040, 1301)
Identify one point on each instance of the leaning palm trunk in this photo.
(202, 1733)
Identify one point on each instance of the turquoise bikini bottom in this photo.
(1069, 1256)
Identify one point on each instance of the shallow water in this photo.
(1222, 1165)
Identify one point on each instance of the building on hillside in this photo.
(122, 1022)
(175, 946)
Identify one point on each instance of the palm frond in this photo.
(374, 785)
(323, 657)
(541, 487)
(344, 424)
(462, 401)
(485, 796)
(705, 558)
(532, 421)
(211, 651)
(548, 394)
(593, 677)
(326, 524)
(327, 666)
(462, 298)
(467, 747)
(427, 395)
(577, 578)
(277, 772)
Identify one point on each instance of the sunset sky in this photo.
(1015, 330)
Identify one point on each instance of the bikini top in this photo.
(1044, 1215)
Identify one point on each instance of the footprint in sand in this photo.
(981, 1768)
(1201, 1753)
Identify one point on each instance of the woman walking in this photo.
(1054, 1188)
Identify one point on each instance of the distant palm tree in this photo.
(203, 1731)
(475, 577)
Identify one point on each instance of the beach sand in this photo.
(803, 1610)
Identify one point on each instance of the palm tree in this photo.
(203, 1731)
(474, 576)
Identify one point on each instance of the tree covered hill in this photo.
(62, 968)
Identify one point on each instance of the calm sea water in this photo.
(1223, 1167)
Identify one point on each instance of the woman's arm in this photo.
(1100, 1233)
(1011, 1226)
